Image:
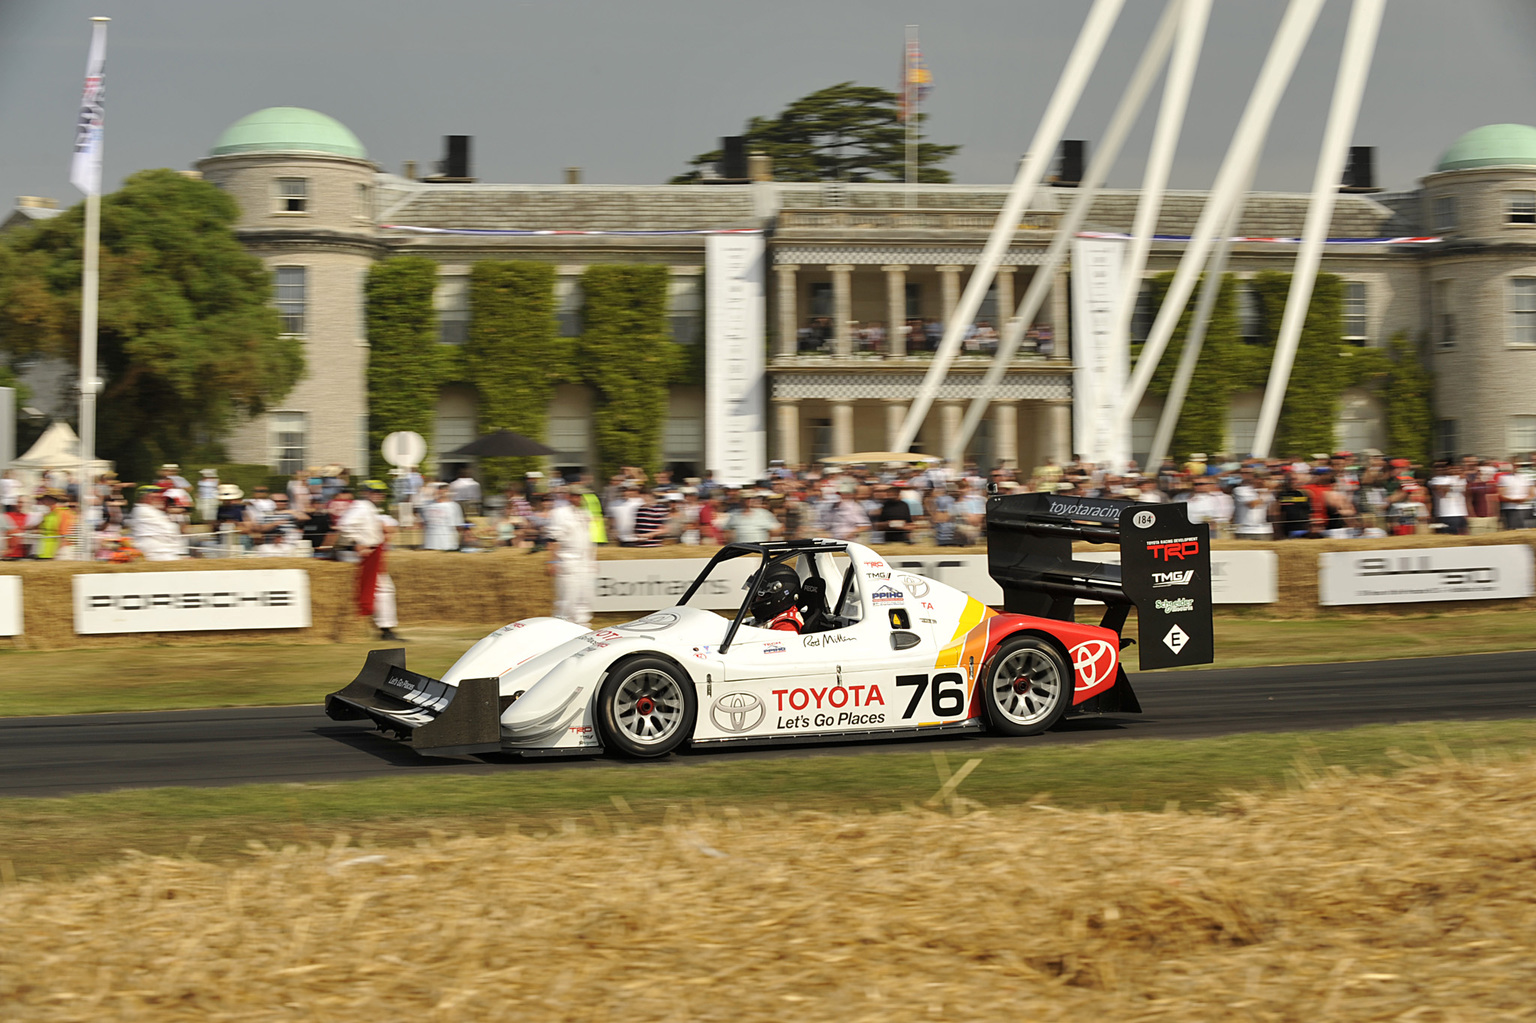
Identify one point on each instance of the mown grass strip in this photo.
(44, 836)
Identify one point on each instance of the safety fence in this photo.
(53, 605)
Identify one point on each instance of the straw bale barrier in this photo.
(1354, 899)
(503, 585)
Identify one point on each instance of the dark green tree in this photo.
(629, 358)
(1202, 424)
(406, 363)
(845, 132)
(514, 355)
(188, 338)
(1410, 421)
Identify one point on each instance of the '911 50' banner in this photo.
(1435, 573)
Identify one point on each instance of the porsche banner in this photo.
(191, 601)
(735, 368)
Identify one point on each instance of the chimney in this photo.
(1069, 168)
(408, 170)
(760, 167)
(36, 202)
(453, 168)
(573, 175)
(1360, 170)
(732, 165)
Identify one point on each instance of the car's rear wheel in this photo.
(646, 707)
(1029, 686)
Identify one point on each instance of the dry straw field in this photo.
(1353, 898)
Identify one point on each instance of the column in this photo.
(1058, 429)
(842, 427)
(789, 324)
(895, 416)
(1005, 305)
(1005, 425)
(842, 308)
(788, 413)
(895, 308)
(950, 288)
(951, 412)
(1060, 319)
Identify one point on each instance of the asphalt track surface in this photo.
(55, 756)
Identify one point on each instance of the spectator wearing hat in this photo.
(155, 534)
(229, 517)
(363, 526)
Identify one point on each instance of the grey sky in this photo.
(630, 89)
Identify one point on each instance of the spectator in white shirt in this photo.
(1515, 493)
(154, 534)
(1251, 499)
(1450, 490)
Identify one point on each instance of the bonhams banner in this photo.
(191, 601)
(1100, 353)
(1435, 573)
(735, 380)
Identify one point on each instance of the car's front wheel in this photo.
(646, 707)
(1029, 686)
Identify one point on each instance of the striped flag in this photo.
(85, 169)
(916, 80)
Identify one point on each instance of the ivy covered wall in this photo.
(406, 365)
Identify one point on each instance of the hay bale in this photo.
(1355, 899)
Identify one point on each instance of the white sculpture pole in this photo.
(1246, 143)
(1354, 66)
(1080, 64)
(1131, 102)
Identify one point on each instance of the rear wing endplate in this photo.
(1164, 570)
(430, 716)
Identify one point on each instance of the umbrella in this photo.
(501, 444)
(867, 457)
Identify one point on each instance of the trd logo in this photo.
(1177, 550)
(1162, 579)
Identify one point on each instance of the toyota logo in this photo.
(737, 712)
(1143, 520)
(915, 586)
(651, 623)
(1093, 661)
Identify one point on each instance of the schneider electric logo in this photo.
(1173, 607)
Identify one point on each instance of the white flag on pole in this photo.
(85, 169)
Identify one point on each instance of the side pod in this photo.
(429, 715)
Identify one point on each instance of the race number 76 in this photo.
(946, 694)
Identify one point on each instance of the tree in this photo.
(405, 361)
(188, 337)
(844, 132)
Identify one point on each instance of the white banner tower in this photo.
(735, 360)
(85, 174)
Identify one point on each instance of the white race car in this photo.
(875, 652)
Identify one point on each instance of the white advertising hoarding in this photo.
(1237, 577)
(1434, 573)
(735, 378)
(1101, 355)
(191, 601)
(10, 605)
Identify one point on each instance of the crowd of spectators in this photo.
(1330, 495)
(921, 336)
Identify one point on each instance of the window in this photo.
(292, 195)
(684, 308)
(364, 202)
(1445, 438)
(287, 441)
(451, 300)
(1521, 436)
(821, 299)
(568, 299)
(914, 301)
(1522, 310)
(291, 297)
(1445, 213)
(1141, 317)
(1520, 208)
(1354, 312)
(1250, 314)
(1445, 314)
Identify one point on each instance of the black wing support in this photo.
(1164, 570)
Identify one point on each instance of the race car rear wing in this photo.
(1164, 570)
(431, 716)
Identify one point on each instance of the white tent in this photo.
(57, 448)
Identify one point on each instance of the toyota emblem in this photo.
(737, 712)
(1093, 661)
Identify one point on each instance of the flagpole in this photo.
(89, 283)
(909, 106)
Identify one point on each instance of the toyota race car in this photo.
(879, 652)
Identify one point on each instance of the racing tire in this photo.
(1029, 686)
(646, 707)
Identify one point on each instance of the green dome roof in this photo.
(1492, 145)
(289, 130)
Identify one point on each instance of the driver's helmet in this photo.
(778, 593)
